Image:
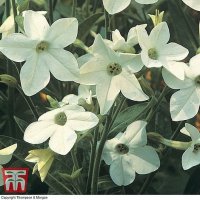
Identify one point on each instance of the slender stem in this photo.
(29, 103)
(74, 8)
(7, 8)
(15, 14)
(107, 24)
(50, 4)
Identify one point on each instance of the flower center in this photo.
(197, 80)
(196, 148)
(60, 119)
(153, 54)
(122, 149)
(114, 69)
(42, 46)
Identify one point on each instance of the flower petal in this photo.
(6, 154)
(81, 121)
(193, 4)
(63, 65)
(160, 35)
(115, 6)
(146, 1)
(35, 25)
(135, 134)
(144, 159)
(39, 132)
(194, 65)
(62, 140)
(107, 92)
(34, 74)
(184, 104)
(121, 171)
(17, 47)
(194, 132)
(190, 159)
(62, 32)
(130, 87)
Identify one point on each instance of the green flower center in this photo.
(42, 46)
(114, 69)
(122, 149)
(197, 80)
(153, 54)
(196, 148)
(60, 119)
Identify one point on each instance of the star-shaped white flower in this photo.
(112, 72)
(60, 125)
(128, 153)
(118, 43)
(42, 48)
(191, 157)
(116, 6)
(194, 4)
(157, 52)
(184, 104)
(5, 157)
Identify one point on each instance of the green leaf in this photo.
(105, 183)
(87, 24)
(21, 124)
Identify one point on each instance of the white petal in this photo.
(131, 61)
(195, 65)
(144, 159)
(71, 99)
(39, 132)
(63, 65)
(62, 32)
(160, 35)
(8, 26)
(130, 87)
(184, 104)
(185, 132)
(146, 1)
(175, 83)
(81, 121)
(121, 171)
(115, 6)
(17, 47)
(193, 4)
(173, 51)
(117, 37)
(62, 140)
(135, 134)
(35, 25)
(190, 159)
(34, 74)
(6, 154)
(109, 154)
(107, 92)
(194, 132)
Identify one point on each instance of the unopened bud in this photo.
(8, 80)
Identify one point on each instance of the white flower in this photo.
(42, 48)
(85, 94)
(184, 104)
(116, 6)
(118, 43)
(5, 157)
(157, 52)
(128, 153)
(60, 125)
(191, 157)
(195, 4)
(112, 72)
(8, 26)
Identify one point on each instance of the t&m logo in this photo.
(15, 179)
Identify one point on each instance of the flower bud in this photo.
(8, 80)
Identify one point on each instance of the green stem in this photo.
(15, 14)
(107, 24)
(74, 8)
(7, 8)
(50, 4)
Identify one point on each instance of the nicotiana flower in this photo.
(194, 4)
(128, 153)
(184, 104)
(116, 6)
(5, 157)
(191, 157)
(60, 125)
(112, 72)
(43, 159)
(118, 43)
(42, 48)
(157, 52)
